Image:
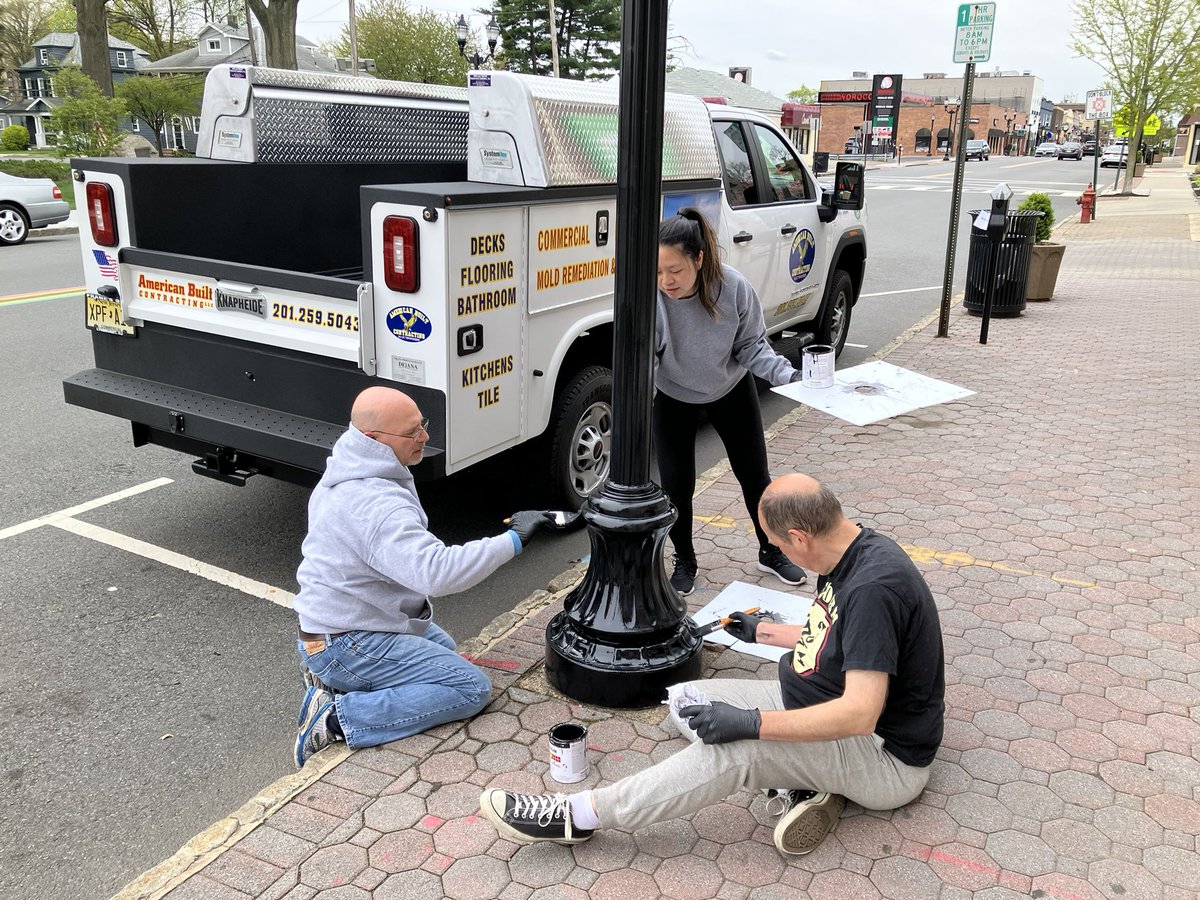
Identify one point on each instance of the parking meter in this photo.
(997, 220)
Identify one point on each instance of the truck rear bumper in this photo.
(278, 444)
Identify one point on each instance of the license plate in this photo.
(104, 314)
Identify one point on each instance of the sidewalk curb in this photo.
(209, 844)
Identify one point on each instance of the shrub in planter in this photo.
(1046, 257)
(14, 137)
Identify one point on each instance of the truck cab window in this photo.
(740, 188)
(788, 181)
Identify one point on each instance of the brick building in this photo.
(923, 126)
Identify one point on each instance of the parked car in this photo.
(1114, 155)
(27, 203)
(1047, 149)
(1089, 148)
(978, 150)
(1070, 150)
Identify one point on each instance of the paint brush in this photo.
(721, 623)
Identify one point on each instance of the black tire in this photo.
(580, 437)
(834, 322)
(14, 225)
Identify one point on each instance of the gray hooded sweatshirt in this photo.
(700, 359)
(370, 562)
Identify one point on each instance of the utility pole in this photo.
(250, 33)
(353, 42)
(553, 38)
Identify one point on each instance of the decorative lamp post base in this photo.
(624, 635)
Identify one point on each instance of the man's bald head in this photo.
(383, 409)
(800, 503)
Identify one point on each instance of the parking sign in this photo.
(1098, 105)
(973, 33)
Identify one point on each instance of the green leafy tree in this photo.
(588, 31)
(803, 94)
(160, 27)
(278, 21)
(406, 44)
(86, 121)
(24, 21)
(1150, 51)
(156, 100)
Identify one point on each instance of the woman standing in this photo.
(711, 342)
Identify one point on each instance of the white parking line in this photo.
(221, 576)
(933, 287)
(83, 507)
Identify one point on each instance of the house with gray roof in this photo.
(227, 43)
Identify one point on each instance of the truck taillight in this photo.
(101, 214)
(401, 262)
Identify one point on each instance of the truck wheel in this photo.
(581, 437)
(14, 227)
(835, 312)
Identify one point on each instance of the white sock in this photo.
(583, 814)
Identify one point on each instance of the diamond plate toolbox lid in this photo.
(552, 132)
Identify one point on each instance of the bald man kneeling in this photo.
(377, 667)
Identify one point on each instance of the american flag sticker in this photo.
(108, 265)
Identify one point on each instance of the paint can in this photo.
(568, 752)
(817, 366)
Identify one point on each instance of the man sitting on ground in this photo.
(856, 713)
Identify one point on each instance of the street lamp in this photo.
(951, 107)
(1009, 118)
(932, 119)
(462, 30)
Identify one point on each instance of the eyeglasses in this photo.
(422, 429)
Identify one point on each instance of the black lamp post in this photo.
(1009, 118)
(624, 635)
(462, 30)
(932, 119)
(951, 106)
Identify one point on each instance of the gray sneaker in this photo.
(313, 734)
(807, 818)
(773, 562)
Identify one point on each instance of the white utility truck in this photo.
(333, 233)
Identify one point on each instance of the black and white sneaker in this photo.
(531, 818)
(807, 817)
(683, 579)
(773, 562)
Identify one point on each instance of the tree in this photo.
(160, 27)
(1150, 51)
(86, 121)
(407, 45)
(24, 21)
(91, 24)
(588, 31)
(803, 94)
(278, 21)
(156, 100)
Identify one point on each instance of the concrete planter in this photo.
(1044, 262)
(1139, 169)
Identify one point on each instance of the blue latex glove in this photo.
(721, 723)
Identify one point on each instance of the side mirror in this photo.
(848, 186)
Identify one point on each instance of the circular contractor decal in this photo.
(409, 324)
(800, 260)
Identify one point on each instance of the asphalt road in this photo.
(145, 701)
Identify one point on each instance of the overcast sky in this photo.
(792, 42)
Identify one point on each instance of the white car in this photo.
(27, 203)
(1114, 155)
(1047, 149)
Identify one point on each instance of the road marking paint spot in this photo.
(83, 507)
(957, 558)
(716, 521)
(275, 595)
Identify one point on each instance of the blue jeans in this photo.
(390, 686)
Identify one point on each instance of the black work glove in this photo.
(526, 522)
(743, 626)
(720, 723)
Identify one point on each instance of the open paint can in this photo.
(568, 752)
(817, 366)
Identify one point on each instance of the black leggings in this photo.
(738, 421)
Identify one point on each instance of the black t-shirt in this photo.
(874, 612)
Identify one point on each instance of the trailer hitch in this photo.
(223, 466)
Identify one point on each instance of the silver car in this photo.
(27, 203)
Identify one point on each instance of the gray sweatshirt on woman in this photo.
(701, 358)
(370, 561)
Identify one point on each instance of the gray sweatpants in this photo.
(858, 768)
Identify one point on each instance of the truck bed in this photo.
(301, 217)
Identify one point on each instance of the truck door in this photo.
(748, 233)
(792, 293)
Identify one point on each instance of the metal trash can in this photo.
(820, 163)
(1012, 265)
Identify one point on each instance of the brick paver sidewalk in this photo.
(1056, 515)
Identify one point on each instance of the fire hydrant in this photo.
(1087, 204)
